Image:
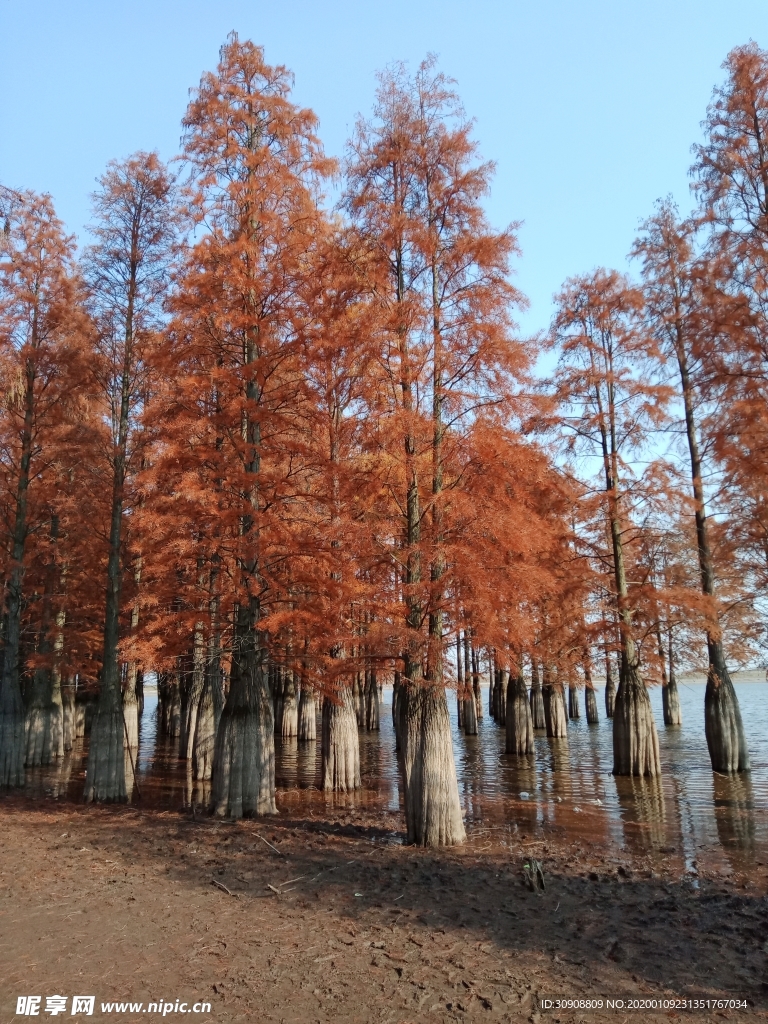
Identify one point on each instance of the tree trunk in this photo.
(518, 717)
(635, 742)
(555, 717)
(358, 699)
(105, 777)
(208, 715)
(396, 709)
(722, 717)
(340, 744)
(307, 714)
(432, 808)
(289, 727)
(140, 690)
(537, 698)
(243, 777)
(471, 657)
(610, 687)
(371, 701)
(131, 706)
(44, 719)
(69, 733)
(574, 711)
(469, 715)
(500, 696)
(670, 698)
(590, 699)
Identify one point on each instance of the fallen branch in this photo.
(278, 852)
(222, 887)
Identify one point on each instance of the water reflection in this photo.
(565, 786)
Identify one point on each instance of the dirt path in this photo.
(121, 904)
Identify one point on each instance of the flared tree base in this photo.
(635, 741)
(243, 777)
(307, 715)
(340, 745)
(105, 780)
(554, 713)
(590, 702)
(670, 702)
(469, 715)
(44, 729)
(537, 708)
(432, 807)
(289, 726)
(520, 739)
(12, 743)
(204, 743)
(722, 724)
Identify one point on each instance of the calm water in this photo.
(566, 787)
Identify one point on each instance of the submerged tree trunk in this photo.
(243, 777)
(307, 714)
(472, 664)
(289, 727)
(131, 706)
(635, 742)
(432, 807)
(610, 686)
(554, 707)
(574, 711)
(722, 717)
(500, 696)
(371, 701)
(590, 700)
(340, 744)
(469, 713)
(670, 698)
(519, 719)
(537, 698)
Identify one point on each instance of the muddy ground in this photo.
(330, 919)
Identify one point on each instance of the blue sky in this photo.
(589, 108)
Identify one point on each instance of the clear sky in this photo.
(588, 107)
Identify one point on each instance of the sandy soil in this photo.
(341, 923)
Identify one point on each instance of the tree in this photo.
(43, 330)
(609, 402)
(256, 167)
(675, 304)
(414, 193)
(127, 269)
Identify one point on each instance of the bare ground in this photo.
(336, 921)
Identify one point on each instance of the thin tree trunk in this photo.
(590, 697)
(610, 686)
(289, 727)
(670, 698)
(371, 701)
(537, 698)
